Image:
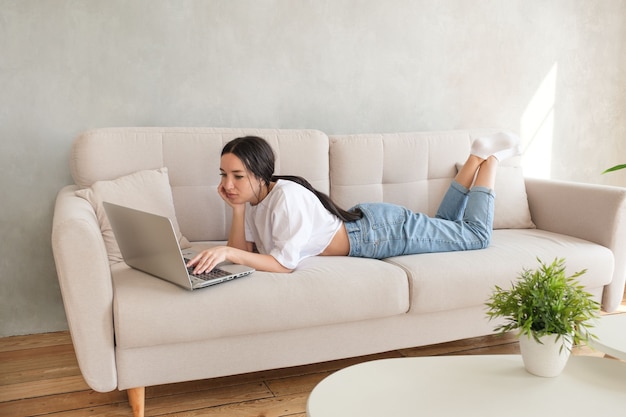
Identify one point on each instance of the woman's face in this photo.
(239, 185)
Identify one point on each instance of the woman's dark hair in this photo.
(258, 157)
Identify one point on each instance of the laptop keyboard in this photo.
(209, 275)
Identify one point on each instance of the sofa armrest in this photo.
(596, 213)
(85, 279)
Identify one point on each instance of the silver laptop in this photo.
(148, 243)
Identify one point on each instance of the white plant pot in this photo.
(545, 359)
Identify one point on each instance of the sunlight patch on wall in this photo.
(537, 128)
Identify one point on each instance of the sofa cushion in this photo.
(410, 169)
(468, 277)
(192, 156)
(144, 190)
(511, 204)
(322, 291)
(414, 169)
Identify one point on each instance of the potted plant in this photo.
(551, 312)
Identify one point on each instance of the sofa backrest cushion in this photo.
(410, 169)
(415, 170)
(192, 157)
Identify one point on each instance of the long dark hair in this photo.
(258, 158)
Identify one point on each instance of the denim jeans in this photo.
(464, 221)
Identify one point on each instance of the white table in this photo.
(611, 332)
(481, 386)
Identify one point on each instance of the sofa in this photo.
(131, 330)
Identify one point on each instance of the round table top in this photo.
(611, 333)
(492, 385)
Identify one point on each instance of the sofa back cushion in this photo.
(410, 169)
(415, 170)
(192, 157)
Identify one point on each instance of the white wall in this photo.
(555, 71)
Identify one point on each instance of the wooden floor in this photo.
(39, 376)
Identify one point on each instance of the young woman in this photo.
(280, 220)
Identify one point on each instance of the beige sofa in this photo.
(131, 330)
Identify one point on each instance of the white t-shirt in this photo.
(290, 224)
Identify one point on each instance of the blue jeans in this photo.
(464, 221)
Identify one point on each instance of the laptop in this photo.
(148, 243)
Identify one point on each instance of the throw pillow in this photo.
(511, 204)
(144, 190)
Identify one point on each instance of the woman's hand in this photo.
(208, 259)
(222, 192)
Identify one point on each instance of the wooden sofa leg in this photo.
(137, 400)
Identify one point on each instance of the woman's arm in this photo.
(238, 250)
(209, 258)
(237, 234)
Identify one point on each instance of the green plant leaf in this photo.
(615, 168)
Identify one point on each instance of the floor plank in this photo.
(42, 388)
(13, 343)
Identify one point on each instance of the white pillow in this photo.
(144, 190)
(511, 204)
